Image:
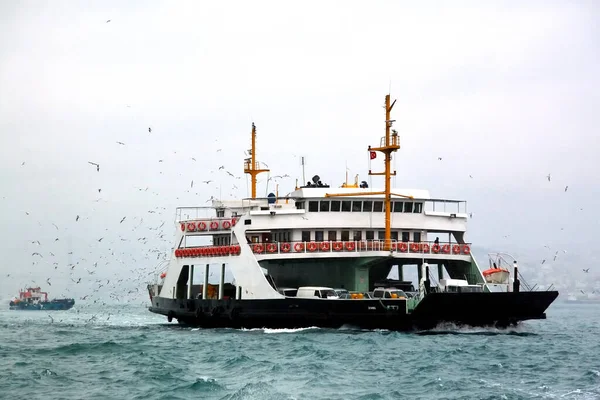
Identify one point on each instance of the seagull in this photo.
(123, 220)
(77, 218)
(192, 184)
(55, 226)
(121, 143)
(222, 167)
(230, 174)
(582, 291)
(97, 165)
(439, 158)
(36, 254)
(218, 150)
(586, 270)
(36, 241)
(51, 319)
(470, 215)
(23, 163)
(555, 255)
(548, 177)
(108, 21)
(207, 182)
(471, 176)
(99, 190)
(566, 188)
(150, 130)
(160, 160)
(48, 282)
(543, 261)
(193, 159)
(56, 240)
(99, 240)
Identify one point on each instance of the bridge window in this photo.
(300, 205)
(405, 236)
(370, 235)
(377, 206)
(345, 236)
(367, 206)
(313, 206)
(356, 206)
(418, 208)
(346, 205)
(357, 235)
(220, 213)
(381, 235)
(394, 235)
(408, 207)
(306, 236)
(318, 236)
(324, 206)
(398, 206)
(416, 236)
(335, 205)
(332, 236)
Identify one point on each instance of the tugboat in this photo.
(31, 299)
(319, 238)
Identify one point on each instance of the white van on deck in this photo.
(317, 291)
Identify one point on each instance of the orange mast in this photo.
(251, 166)
(387, 146)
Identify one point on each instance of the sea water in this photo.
(125, 352)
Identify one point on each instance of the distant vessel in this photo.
(320, 238)
(31, 299)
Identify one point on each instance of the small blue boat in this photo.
(31, 299)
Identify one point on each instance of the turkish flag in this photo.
(373, 155)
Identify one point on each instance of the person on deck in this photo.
(436, 241)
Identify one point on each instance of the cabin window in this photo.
(356, 206)
(381, 235)
(235, 214)
(220, 213)
(408, 207)
(284, 236)
(332, 236)
(377, 206)
(317, 294)
(395, 235)
(416, 236)
(318, 236)
(346, 205)
(357, 235)
(370, 235)
(398, 206)
(247, 222)
(313, 206)
(300, 205)
(255, 239)
(306, 236)
(345, 236)
(405, 236)
(324, 206)
(335, 205)
(367, 206)
(418, 208)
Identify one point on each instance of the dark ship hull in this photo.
(471, 309)
(58, 304)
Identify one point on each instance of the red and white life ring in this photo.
(403, 247)
(191, 226)
(446, 249)
(325, 246)
(285, 247)
(271, 247)
(312, 246)
(299, 247)
(456, 249)
(214, 225)
(226, 225)
(466, 249)
(201, 226)
(338, 246)
(258, 248)
(350, 246)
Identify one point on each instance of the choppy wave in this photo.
(130, 353)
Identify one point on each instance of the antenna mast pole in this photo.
(251, 166)
(388, 144)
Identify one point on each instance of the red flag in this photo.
(373, 155)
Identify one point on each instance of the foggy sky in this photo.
(506, 93)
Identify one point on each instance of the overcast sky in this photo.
(503, 92)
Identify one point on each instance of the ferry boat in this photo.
(320, 237)
(31, 299)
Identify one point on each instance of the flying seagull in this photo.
(207, 182)
(586, 270)
(121, 143)
(97, 165)
(192, 184)
(439, 158)
(77, 218)
(150, 130)
(123, 220)
(566, 188)
(549, 177)
(108, 21)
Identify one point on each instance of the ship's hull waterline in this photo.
(470, 309)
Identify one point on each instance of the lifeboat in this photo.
(496, 275)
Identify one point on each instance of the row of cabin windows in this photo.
(332, 236)
(359, 206)
(221, 240)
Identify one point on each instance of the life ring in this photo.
(456, 249)
(414, 247)
(394, 246)
(446, 249)
(298, 247)
(435, 248)
(163, 275)
(338, 246)
(285, 247)
(350, 246)
(201, 226)
(403, 247)
(312, 246)
(325, 246)
(466, 249)
(271, 247)
(425, 248)
(258, 248)
(233, 221)
(214, 225)
(177, 253)
(191, 226)
(226, 225)
(182, 227)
